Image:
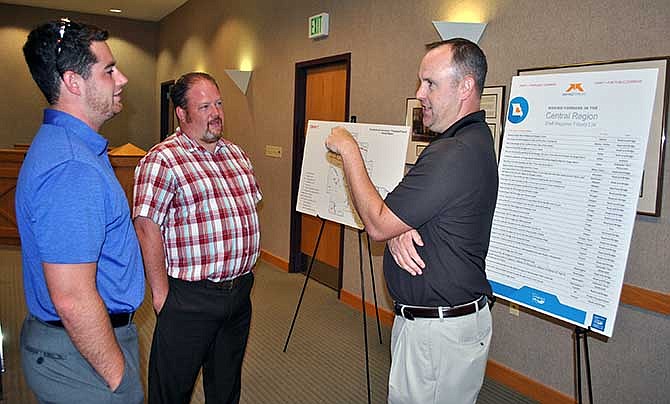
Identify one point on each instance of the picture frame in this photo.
(651, 190)
(419, 136)
(493, 98)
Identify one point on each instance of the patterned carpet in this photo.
(324, 363)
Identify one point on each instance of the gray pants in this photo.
(57, 373)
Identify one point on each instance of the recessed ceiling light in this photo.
(114, 10)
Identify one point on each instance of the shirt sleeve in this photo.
(442, 179)
(258, 195)
(245, 161)
(154, 188)
(68, 214)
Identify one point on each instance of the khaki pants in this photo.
(439, 360)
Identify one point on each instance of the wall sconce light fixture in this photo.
(240, 78)
(468, 30)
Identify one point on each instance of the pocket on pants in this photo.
(130, 390)
(53, 377)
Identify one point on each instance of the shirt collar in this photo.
(78, 129)
(473, 117)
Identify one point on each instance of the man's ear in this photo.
(467, 86)
(73, 82)
(181, 113)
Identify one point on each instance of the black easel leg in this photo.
(588, 367)
(582, 333)
(579, 364)
(304, 286)
(365, 323)
(374, 290)
(2, 363)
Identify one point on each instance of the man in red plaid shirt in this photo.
(195, 214)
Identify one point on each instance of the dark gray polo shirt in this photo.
(449, 196)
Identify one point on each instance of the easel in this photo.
(374, 292)
(582, 333)
(2, 363)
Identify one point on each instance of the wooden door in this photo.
(10, 164)
(325, 100)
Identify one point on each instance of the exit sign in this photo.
(318, 26)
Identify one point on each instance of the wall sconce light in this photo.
(240, 78)
(468, 30)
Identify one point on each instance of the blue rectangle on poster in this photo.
(598, 322)
(541, 300)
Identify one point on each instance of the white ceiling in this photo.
(146, 10)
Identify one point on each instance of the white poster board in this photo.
(649, 202)
(323, 191)
(570, 171)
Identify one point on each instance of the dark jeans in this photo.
(200, 325)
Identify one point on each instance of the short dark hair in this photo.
(468, 58)
(49, 55)
(184, 83)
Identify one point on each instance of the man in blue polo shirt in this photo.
(82, 268)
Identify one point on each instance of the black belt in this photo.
(228, 284)
(412, 312)
(117, 319)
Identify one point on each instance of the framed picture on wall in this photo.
(491, 102)
(420, 136)
(649, 202)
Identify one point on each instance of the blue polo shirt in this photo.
(71, 209)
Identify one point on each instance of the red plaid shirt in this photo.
(205, 205)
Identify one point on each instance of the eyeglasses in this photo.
(64, 24)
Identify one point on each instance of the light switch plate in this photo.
(273, 151)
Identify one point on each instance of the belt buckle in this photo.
(220, 285)
(228, 284)
(406, 314)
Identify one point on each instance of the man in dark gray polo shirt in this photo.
(437, 223)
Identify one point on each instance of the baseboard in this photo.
(353, 301)
(645, 298)
(274, 260)
(496, 371)
(525, 385)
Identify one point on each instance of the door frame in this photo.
(166, 110)
(301, 69)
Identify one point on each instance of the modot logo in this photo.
(575, 87)
(518, 110)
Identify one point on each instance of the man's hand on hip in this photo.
(404, 252)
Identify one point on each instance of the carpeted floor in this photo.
(324, 363)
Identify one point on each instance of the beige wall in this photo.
(133, 44)
(386, 40)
